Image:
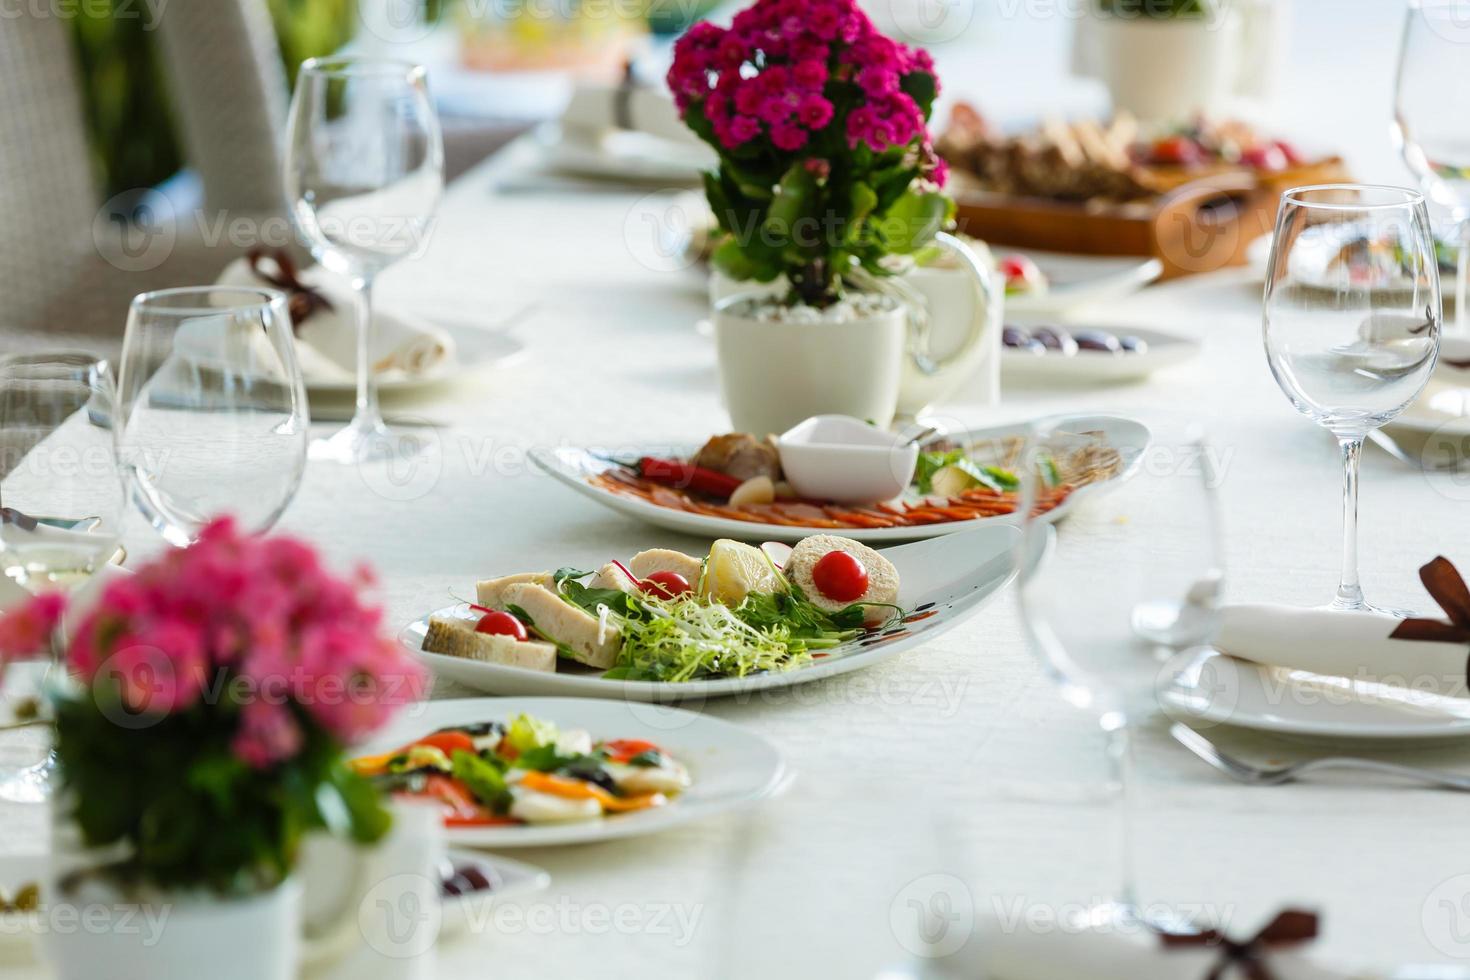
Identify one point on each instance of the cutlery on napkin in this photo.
(324, 314)
(1423, 654)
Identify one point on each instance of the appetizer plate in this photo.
(476, 348)
(574, 467)
(942, 581)
(1221, 690)
(1077, 280)
(1164, 350)
(730, 766)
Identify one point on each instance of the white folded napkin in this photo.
(596, 108)
(1355, 645)
(1025, 953)
(326, 342)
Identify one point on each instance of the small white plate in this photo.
(507, 880)
(573, 467)
(941, 581)
(475, 349)
(1077, 280)
(1219, 689)
(1164, 350)
(730, 766)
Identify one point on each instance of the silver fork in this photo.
(1276, 775)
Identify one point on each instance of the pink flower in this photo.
(817, 167)
(788, 136)
(814, 112)
(809, 73)
(775, 111)
(27, 630)
(743, 129)
(824, 22)
(876, 80)
(748, 99)
(268, 733)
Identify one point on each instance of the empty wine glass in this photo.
(1132, 583)
(61, 506)
(60, 503)
(363, 174)
(1431, 104)
(212, 416)
(1352, 321)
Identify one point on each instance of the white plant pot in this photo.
(1169, 69)
(104, 934)
(776, 374)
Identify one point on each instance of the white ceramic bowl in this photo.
(845, 460)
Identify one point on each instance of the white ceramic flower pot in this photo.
(1169, 69)
(102, 933)
(775, 374)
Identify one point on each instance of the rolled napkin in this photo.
(1420, 654)
(324, 314)
(1023, 953)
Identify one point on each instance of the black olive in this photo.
(1134, 345)
(593, 774)
(1097, 340)
(1057, 339)
(1015, 337)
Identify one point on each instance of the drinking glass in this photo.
(1431, 104)
(60, 503)
(1352, 321)
(363, 174)
(212, 416)
(1130, 585)
(61, 506)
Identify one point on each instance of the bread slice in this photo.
(882, 576)
(490, 592)
(645, 563)
(457, 638)
(562, 622)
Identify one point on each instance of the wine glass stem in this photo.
(367, 416)
(1349, 592)
(1462, 283)
(1119, 750)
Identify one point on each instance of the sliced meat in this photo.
(456, 638)
(645, 563)
(560, 621)
(740, 455)
(489, 592)
(610, 576)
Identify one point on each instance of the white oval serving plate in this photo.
(1164, 350)
(575, 466)
(730, 766)
(941, 581)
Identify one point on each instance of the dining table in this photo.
(950, 785)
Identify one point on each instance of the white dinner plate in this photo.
(941, 581)
(1077, 280)
(475, 349)
(729, 766)
(574, 467)
(1219, 689)
(1164, 350)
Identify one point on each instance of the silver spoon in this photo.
(1276, 775)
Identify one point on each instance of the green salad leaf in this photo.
(482, 777)
(526, 733)
(996, 478)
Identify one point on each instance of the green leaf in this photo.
(922, 87)
(483, 779)
(862, 200)
(731, 259)
(913, 220)
(795, 198)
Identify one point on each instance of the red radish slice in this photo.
(778, 552)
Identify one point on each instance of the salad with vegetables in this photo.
(670, 617)
(526, 772)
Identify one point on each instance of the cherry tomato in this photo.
(1176, 150)
(623, 749)
(1017, 269)
(501, 624)
(840, 577)
(666, 585)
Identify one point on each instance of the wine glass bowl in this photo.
(212, 415)
(1351, 320)
(61, 507)
(1431, 104)
(364, 172)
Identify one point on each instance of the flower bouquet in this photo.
(201, 735)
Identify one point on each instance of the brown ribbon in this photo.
(1446, 587)
(1289, 928)
(301, 300)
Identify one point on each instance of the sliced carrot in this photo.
(578, 789)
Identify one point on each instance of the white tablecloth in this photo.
(959, 759)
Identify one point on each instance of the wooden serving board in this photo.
(1203, 224)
